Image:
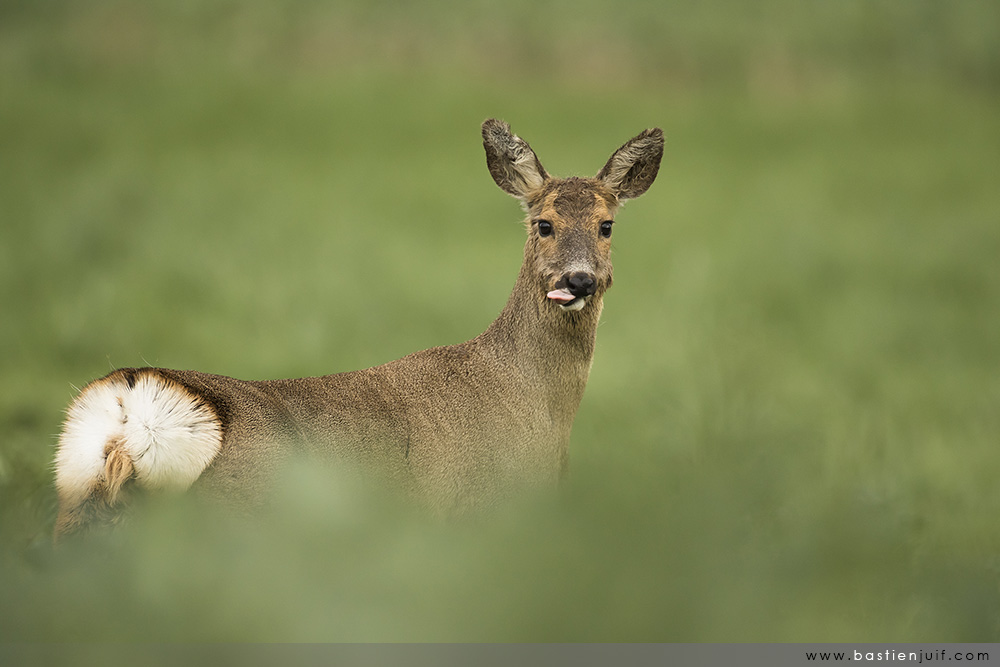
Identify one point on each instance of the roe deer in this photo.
(459, 426)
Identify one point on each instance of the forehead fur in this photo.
(574, 197)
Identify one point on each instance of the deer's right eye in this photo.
(544, 228)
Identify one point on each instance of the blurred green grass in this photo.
(792, 424)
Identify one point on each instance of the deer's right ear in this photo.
(512, 163)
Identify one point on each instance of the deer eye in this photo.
(544, 228)
(606, 228)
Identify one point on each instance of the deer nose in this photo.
(580, 284)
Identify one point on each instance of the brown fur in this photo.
(458, 426)
(118, 470)
(101, 505)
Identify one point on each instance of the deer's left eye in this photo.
(606, 228)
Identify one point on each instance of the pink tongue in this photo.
(560, 295)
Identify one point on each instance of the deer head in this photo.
(570, 220)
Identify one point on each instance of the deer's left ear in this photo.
(512, 163)
(633, 167)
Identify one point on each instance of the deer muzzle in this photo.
(573, 290)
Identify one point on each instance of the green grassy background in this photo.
(792, 424)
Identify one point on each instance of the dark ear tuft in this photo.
(512, 163)
(633, 167)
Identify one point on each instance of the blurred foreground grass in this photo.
(792, 424)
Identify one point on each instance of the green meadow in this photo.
(792, 426)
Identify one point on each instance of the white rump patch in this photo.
(168, 432)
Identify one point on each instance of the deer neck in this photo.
(552, 347)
